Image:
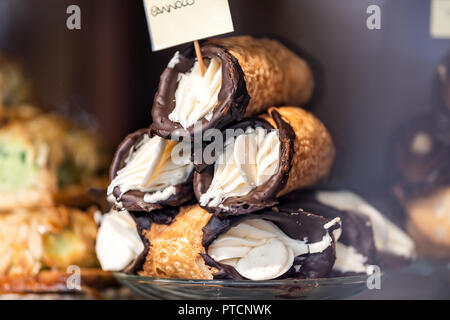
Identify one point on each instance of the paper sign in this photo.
(173, 22)
(440, 19)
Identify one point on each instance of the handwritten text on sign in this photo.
(173, 22)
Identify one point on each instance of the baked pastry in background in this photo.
(429, 223)
(32, 240)
(422, 159)
(422, 167)
(15, 88)
(45, 159)
(440, 102)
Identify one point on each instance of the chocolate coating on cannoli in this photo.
(356, 228)
(264, 195)
(296, 224)
(233, 97)
(144, 222)
(419, 171)
(133, 200)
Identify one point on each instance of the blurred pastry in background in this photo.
(45, 159)
(37, 246)
(429, 223)
(422, 171)
(47, 238)
(422, 159)
(15, 88)
(440, 100)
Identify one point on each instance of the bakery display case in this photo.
(304, 155)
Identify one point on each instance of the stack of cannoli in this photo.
(219, 213)
(46, 165)
(422, 166)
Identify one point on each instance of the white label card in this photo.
(173, 22)
(440, 19)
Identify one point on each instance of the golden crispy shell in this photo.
(51, 238)
(429, 223)
(313, 152)
(175, 249)
(273, 74)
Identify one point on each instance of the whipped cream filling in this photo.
(388, 237)
(349, 260)
(247, 162)
(259, 250)
(118, 243)
(196, 96)
(151, 169)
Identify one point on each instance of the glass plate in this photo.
(326, 288)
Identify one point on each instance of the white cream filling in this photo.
(349, 260)
(151, 169)
(259, 250)
(388, 237)
(246, 163)
(174, 61)
(196, 96)
(118, 243)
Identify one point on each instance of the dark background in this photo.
(372, 81)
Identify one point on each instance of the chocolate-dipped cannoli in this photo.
(244, 77)
(355, 248)
(274, 243)
(118, 244)
(121, 244)
(422, 159)
(148, 172)
(278, 152)
(363, 227)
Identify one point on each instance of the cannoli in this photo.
(355, 248)
(149, 172)
(244, 77)
(46, 238)
(283, 150)
(118, 242)
(47, 160)
(368, 237)
(429, 223)
(271, 244)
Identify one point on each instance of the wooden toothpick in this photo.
(199, 57)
